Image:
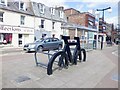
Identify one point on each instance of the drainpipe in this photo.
(76, 32)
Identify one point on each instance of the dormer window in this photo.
(61, 14)
(41, 8)
(22, 6)
(52, 11)
(2, 1)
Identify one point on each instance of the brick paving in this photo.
(87, 74)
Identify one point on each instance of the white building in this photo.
(16, 23)
(23, 22)
(48, 20)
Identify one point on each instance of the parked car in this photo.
(44, 44)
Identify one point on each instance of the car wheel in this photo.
(40, 49)
(60, 47)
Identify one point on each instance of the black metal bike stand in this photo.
(66, 53)
(40, 63)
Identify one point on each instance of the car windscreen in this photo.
(38, 41)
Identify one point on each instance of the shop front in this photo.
(16, 36)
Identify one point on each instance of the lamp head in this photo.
(110, 10)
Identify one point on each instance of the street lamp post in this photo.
(102, 28)
(103, 11)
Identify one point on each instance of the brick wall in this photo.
(74, 16)
(79, 33)
(70, 11)
(77, 19)
(72, 33)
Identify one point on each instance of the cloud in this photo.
(52, 2)
(91, 5)
(80, 7)
(96, 1)
(113, 20)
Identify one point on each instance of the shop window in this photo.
(7, 38)
(1, 16)
(22, 20)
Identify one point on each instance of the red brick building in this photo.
(85, 19)
(80, 20)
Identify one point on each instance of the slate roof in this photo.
(34, 10)
(47, 13)
(14, 6)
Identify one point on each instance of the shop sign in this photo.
(14, 29)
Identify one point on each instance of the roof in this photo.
(47, 12)
(14, 6)
(76, 26)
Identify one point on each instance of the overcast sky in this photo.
(88, 5)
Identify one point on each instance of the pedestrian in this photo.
(101, 42)
(94, 44)
(53, 36)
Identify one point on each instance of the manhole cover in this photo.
(22, 79)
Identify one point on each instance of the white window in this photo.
(22, 6)
(22, 20)
(2, 1)
(61, 14)
(42, 8)
(42, 23)
(90, 23)
(1, 16)
(52, 11)
(53, 25)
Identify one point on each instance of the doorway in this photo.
(20, 39)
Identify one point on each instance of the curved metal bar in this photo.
(84, 54)
(52, 59)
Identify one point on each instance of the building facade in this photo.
(84, 24)
(23, 22)
(48, 20)
(85, 19)
(16, 23)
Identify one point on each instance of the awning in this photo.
(76, 26)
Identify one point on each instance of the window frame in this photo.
(42, 8)
(55, 39)
(53, 25)
(52, 10)
(42, 23)
(2, 1)
(61, 14)
(22, 20)
(21, 5)
(1, 16)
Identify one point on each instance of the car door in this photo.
(55, 43)
(47, 44)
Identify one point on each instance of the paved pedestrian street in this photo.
(99, 71)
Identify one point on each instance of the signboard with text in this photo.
(15, 29)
